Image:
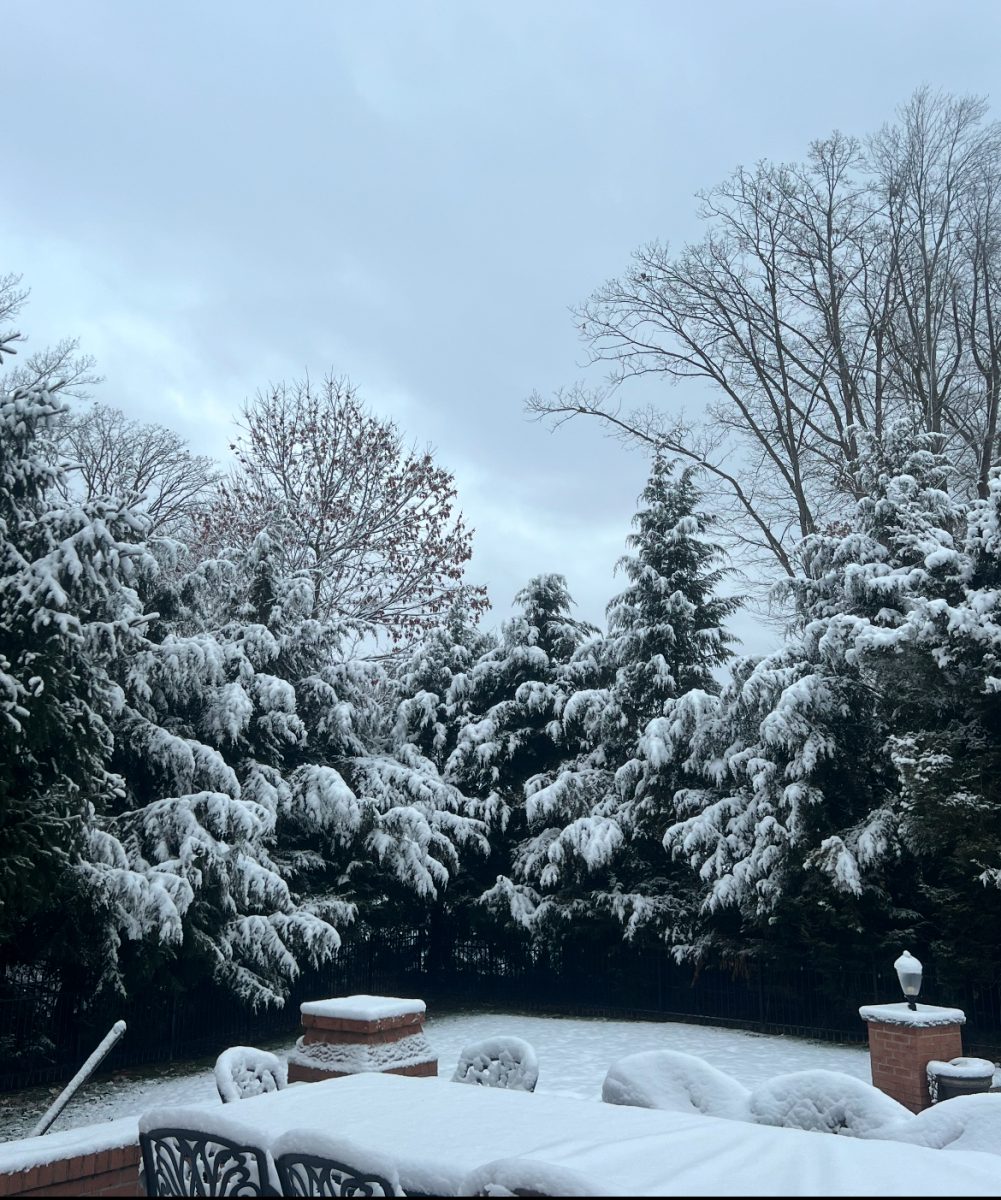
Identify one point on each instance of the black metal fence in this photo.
(45, 1035)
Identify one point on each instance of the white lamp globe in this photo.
(909, 973)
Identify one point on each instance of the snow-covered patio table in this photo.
(437, 1132)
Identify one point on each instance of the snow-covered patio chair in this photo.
(527, 1177)
(243, 1071)
(677, 1082)
(507, 1062)
(313, 1164)
(185, 1162)
(826, 1102)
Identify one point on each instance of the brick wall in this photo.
(113, 1172)
(899, 1056)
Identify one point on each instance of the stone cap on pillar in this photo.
(925, 1016)
(362, 1008)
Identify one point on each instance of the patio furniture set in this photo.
(381, 1134)
(180, 1162)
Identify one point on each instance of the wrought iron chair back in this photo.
(314, 1175)
(507, 1062)
(244, 1071)
(186, 1162)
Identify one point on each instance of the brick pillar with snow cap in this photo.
(904, 1040)
(347, 1035)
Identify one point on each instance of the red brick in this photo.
(342, 1025)
(899, 1055)
(72, 1187)
(420, 1070)
(121, 1189)
(15, 1182)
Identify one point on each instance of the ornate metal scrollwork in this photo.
(310, 1175)
(184, 1162)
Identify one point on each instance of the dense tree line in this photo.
(243, 712)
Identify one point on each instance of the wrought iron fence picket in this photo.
(39, 1036)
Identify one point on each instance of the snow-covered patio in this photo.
(574, 1054)
(563, 1127)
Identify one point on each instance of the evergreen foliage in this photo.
(197, 783)
(594, 820)
(511, 734)
(201, 780)
(829, 796)
(67, 609)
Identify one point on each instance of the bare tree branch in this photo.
(372, 521)
(827, 297)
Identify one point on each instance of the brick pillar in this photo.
(902, 1041)
(351, 1034)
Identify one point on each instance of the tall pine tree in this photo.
(596, 820)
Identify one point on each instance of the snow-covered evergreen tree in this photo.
(794, 815)
(313, 803)
(429, 714)
(512, 699)
(206, 723)
(66, 607)
(598, 818)
(196, 784)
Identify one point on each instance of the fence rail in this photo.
(44, 1035)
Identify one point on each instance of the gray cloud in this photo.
(217, 195)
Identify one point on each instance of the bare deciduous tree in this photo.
(59, 368)
(373, 522)
(146, 464)
(826, 299)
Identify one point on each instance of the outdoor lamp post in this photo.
(909, 973)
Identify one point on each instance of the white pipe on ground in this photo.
(81, 1077)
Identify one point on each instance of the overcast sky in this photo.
(214, 195)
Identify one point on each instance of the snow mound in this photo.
(678, 1082)
(528, 1177)
(825, 1102)
(962, 1123)
(243, 1071)
(507, 1062)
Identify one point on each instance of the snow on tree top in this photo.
(362, 1008)
(925, 1016)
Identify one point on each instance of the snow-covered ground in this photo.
(574, 1054)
